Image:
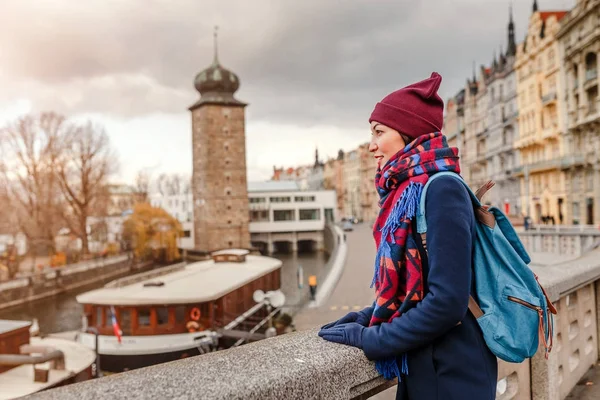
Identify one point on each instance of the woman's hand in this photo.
(350, 317)
(349, 334)
(360, 318)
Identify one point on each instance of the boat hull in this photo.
(127, 362)
(134, 352)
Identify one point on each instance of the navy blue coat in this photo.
(447, 356)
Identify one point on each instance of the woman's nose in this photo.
(372, 147)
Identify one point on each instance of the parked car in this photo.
(347, 226)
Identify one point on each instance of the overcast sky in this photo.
(310, 70)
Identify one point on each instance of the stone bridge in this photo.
(301, 365)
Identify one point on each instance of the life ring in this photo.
(195, 314)
(193, 326)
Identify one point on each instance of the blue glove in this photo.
(358, 317)
(350, 317)
(349, 334)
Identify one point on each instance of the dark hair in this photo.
(406, 139)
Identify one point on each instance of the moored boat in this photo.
(32, 364)
(179, 311)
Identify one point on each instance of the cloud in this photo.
(298, 61)
(305, 66)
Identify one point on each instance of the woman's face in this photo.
(385, 142)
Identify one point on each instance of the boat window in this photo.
(144, 317)
(125, 321)
(180, 314)
(205, 310)
(99, 312)
(162, 315)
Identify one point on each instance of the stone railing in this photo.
(51, 282)
(572, 241)
(303, 366)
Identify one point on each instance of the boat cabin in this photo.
(204, 295)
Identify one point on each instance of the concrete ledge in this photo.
(297, 365)
(561, 279)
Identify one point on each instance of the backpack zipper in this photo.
(546, 338)
(526, 304)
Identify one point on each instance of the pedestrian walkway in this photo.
(588, 387)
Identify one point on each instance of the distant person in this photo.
(312, 284)
(419, 328)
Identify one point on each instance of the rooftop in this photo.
(9, 325)
(273, 186)
(195, 283)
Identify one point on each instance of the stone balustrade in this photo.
(53, 281)
(572, 240)
(303, 366)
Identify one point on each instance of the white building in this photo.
(282, 214)
(180, 207)
(279, 212)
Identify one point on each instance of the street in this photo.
(352, 292)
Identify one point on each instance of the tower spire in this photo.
(474, 75)
(512, 44)
(216, 45)
(535, 5)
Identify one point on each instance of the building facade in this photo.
(351, 184)
(219, 184)
(181, 207)
(502, 129)
(454, 121)
(540, 141)
(280, 212)
(579, 43)
(369, 199)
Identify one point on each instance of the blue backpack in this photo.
(512, 308)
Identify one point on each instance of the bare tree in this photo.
(83, 170)
(170, 185)
(30, 147)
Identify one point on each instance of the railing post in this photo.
(544, 375)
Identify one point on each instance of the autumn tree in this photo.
(30, 147)
(152, 233)
(83, 169)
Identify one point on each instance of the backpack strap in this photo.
(481, 213)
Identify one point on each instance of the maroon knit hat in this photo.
(413, 110)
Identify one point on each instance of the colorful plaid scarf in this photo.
(398, 276)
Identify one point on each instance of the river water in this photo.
(63, 313)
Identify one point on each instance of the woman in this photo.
(419, 328)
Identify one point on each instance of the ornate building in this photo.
(369, 199)
(540, 141)
(221, 212)
(502, 128)
(579, 41)
(454, 121)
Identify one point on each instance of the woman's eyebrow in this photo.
(376, 125)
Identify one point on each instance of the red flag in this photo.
(115, 324)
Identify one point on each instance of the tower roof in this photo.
(216, 84)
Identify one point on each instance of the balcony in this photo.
(550, 132)
(590, 74)
(539, 166)
(549, 98)
(572, 161)
(258, 206)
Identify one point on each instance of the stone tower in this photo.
(221, 211)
